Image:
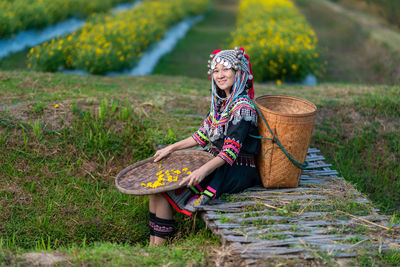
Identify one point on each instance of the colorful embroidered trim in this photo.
(241, 109)
(194, 190)
(210, 192)
(243, 159)
(230, 150)
(188, 213)
(163, 228)
(152, 217)
(200, 137)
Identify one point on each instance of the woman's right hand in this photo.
(162, 153)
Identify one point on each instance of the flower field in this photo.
(113, 42)
(281, 44)
(19, 15)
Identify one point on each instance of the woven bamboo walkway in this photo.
(324, 216)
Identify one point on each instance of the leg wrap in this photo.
(163, 228)
(152, 218)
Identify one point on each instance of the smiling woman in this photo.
(227, 129)
(224, 77)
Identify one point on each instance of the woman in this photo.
(231, 121)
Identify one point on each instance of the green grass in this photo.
(190, 55)
(15, 61)
(348, 50)
(57, 164)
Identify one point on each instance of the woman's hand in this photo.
(194, 178)
(162, 153)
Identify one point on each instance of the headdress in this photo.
(239, 61)
(236, 59)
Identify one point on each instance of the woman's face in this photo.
(224, 77)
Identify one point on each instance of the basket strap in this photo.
(298, 164)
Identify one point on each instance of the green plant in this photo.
(113, 42)
(17, 16)
(38, 108)
(36, 128)
(280, 42)
(3, 137)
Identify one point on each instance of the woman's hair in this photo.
(222, 94)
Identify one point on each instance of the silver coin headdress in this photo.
(234, 59)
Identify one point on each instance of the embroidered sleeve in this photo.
(230, 150)
(200, 136)
(241, 118)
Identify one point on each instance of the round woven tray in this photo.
(130, 179)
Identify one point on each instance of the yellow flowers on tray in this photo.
(166, 177)
(281, 44)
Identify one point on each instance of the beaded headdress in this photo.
(239, 61)
(236, 59)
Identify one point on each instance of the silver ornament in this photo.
(251, 77)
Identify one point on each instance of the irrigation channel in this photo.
(151, 56)
(31, 38)
(146, 63)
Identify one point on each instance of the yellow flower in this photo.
(56, 106)
(278, 82)
(122, 58)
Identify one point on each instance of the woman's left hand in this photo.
(194, 178)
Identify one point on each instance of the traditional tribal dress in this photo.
(227, 134)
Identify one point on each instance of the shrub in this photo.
(278, 39)
(113, 42)
(19, 15)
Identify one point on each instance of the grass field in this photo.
(190, 56)
(64, 138)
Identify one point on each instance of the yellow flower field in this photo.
(113, 42)
(281, 44)
(19, 15)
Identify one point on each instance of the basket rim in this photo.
(305, 101)
(154, 190)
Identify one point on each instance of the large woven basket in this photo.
(130, 179)
(291, 120)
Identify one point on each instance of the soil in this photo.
(43, 259)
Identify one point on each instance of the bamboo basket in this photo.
(129, 180)
(291, 120)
